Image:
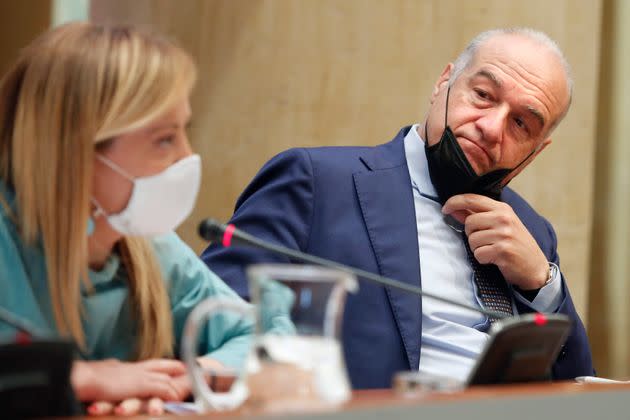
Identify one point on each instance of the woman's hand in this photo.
(128, 407)
(131, 406)
(130, 388)
(113, 380)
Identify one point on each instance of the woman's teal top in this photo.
(108, 320)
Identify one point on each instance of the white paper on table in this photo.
(597, 380)
(182, 408)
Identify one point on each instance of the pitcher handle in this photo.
(206, 397)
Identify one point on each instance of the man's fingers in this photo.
(471, 203)
(480, 238)
(485, 254)
(494, 221)
(460, 216)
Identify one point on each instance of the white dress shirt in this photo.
(452, 337)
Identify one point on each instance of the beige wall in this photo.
(21, 21)
(284, 73)
(609, 311)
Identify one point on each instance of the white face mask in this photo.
(158, 203)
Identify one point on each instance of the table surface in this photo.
(514, 402)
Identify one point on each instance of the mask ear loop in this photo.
(115, 167)
(448, 93)
(99, 209)
(426, 133)
(98, 212)
(536, 150)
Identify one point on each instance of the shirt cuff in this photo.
(549, 296)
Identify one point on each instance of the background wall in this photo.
(21, 21)
(609, 311)
(285, 73)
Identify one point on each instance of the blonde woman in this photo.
(96, 172)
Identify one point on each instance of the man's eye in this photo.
(520, 123)
(482, 94)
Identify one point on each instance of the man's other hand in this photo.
(497, 236)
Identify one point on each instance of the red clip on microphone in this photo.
(227, 236)
(540, 319)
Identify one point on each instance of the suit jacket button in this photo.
(563, 352)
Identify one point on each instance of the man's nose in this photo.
(492, 124)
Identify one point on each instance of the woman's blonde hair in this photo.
(73, 87)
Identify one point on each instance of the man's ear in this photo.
(442, 81)
(542, 146)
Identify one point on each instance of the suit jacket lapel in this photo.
(386, 201)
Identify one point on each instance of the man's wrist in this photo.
(544, 279)
(530, 294)
(546, 299)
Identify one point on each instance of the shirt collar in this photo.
(105, 275)
(417, 163)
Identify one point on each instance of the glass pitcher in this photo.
(296, 361)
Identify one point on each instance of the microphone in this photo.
(35, 363)
(228, 235)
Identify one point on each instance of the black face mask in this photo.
(451, 172)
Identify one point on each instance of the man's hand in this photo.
(497, 236)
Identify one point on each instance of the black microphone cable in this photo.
(20, 324)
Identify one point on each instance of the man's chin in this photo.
(476, 156)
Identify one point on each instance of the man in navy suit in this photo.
(420, 207)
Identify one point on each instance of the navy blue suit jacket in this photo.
(355, 205)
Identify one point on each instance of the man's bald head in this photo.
(467, 57)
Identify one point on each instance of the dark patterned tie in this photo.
(492, 287)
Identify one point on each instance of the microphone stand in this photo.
(228, 235)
